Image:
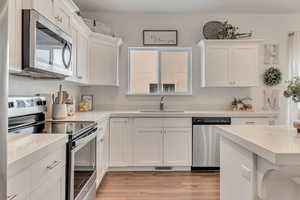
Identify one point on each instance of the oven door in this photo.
(46, 48)
(83, 166)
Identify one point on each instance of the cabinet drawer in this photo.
(18, 187)
(252, 121)
(148, 123)
(48, 167)
(178, 123)
(118, 122)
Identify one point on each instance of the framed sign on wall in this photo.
(160, 37)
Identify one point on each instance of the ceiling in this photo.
(178, 6)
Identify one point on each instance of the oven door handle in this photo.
(81, 142)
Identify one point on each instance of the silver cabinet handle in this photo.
(59, 19)
(53, 165)
(11, 197)
(249, 123)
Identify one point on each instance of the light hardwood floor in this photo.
(159, 186)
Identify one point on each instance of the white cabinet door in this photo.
(229, 63)
(53, 188)
(119, 143)
(82, 57)
(106, 146)
(243, 68)
(99, 160)
(45, 7)
(216, 70)
(148, 147)
(61, 16)
(74, 77)
(237, 176)
(15, 35)
(103, 62)
(18, 187)
(178, 146)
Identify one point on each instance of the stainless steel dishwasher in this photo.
(206, 143)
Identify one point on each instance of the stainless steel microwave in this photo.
(46, 49)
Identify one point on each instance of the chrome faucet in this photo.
(162, 103)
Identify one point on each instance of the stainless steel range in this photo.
(26, 116)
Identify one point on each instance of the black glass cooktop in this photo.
(69, 128)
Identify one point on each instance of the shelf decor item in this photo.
(87, 103)
(242, 105)
(271, 54)
(272, 77)
(211, 30)
(293, 91)
(160, 37)
(223, 31)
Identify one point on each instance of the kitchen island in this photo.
(259, 162)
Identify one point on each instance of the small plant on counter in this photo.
(241, 105)
(293, 90)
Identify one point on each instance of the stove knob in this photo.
(10, 104)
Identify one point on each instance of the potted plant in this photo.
(293, 91)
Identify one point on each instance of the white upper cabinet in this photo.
(229, 63)
(44, 7)
(82, 58)
(53, 10)
(104, 60)
(62, 16)
(15, 35)
(95, 57)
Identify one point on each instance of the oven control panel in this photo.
(18, 106)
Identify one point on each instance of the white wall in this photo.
(22, 86)
(271, 28)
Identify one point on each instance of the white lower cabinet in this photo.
(156, 142)
(148, 147)
(178, 147)
(52, 189)
(102, 151)
(237, 176)
(43, 179)
(119, 143)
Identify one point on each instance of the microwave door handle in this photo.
(66, 63)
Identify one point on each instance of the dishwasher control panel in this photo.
(211, 121)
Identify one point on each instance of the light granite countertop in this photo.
(23, 148)
(98, 115)
(279, 145)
